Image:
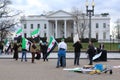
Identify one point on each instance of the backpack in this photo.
(98, 67)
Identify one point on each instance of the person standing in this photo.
(77, 49)
(15, 48)
(24, 51)
(33, 48)
(1, 48)
(44, 47)
(62, 47)
(91, 52)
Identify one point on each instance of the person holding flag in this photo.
(33, 50)
(25, 47)
(15, 48)
(44, 47)
(91, 52)
(51, 45)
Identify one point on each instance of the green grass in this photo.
(108, 46)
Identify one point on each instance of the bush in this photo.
(86, 40)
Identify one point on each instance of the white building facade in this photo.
(61, 24)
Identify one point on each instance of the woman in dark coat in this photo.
(15, 48)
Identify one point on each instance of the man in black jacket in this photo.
(91, 52)
(77, 49)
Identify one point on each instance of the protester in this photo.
(44, 47)
(1, 48)
(33, 48)
(91, 52)
(15, 48)
(24, 51)
(77, 49)
(62, 47)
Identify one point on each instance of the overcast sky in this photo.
(39, 6)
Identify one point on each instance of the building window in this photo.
(31, 26)
(44, 34)
(97, 25)
(97, 36)
(71, 34)
(25, 26)
(38, 26)
(44, 26)
(104, 25)
(104, 35)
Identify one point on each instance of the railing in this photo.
(110, 41)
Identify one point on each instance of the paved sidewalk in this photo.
(17, 70)
(114, 55)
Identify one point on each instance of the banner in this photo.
(35, 33)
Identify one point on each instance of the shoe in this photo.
(57, 66)
(63, 66)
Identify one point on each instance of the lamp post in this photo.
(90, 13)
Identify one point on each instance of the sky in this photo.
(37, 7)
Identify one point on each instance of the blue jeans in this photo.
(61, 55)
(24, 56)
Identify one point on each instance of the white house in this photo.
(61, 24)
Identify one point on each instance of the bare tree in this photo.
(117, 28)
(80, 22)
(8, 18)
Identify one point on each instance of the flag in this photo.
(25, 44)
(97, 56)
(35, 33)
(7, 44)
(19, 32)
(51, 45)
(76, 38)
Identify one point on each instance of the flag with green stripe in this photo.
(19, 32)
(6, 42)
(51, 45)
(25, 44)
(35, 33)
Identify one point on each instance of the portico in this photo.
(61, 28)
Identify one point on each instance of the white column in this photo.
(56, 28)
(48, 32)
(65, 29)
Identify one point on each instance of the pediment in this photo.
(60, 13)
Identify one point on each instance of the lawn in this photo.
(108, 46)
